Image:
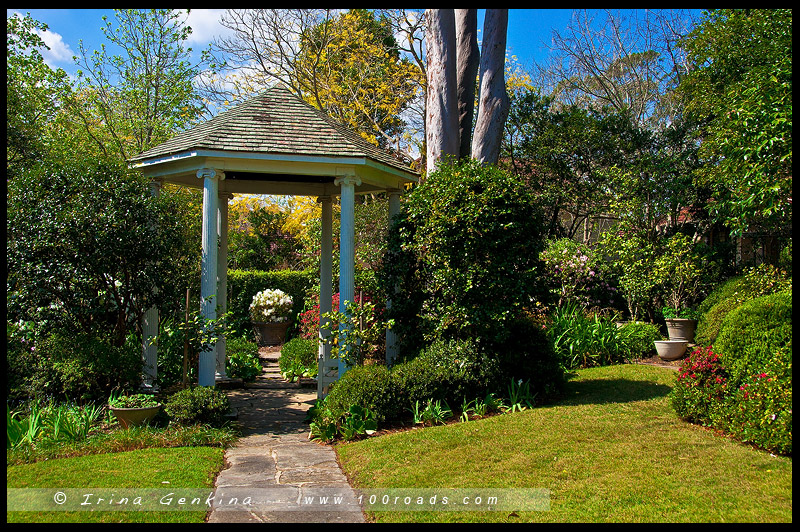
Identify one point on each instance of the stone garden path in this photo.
(287, 477)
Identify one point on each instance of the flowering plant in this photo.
(271, 306)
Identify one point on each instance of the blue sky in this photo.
(528, 31)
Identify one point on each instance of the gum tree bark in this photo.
(467, 62)
(493, 103)
(441, 113)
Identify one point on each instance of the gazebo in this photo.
(273, 143)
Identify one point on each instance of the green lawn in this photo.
(612, 451)
(161, 468)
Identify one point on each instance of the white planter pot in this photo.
(681, 328)
(671, 349)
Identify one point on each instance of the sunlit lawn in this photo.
(612, 450)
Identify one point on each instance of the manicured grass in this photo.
(613, 450)
(179, 467)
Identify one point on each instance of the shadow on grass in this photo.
(601, 391)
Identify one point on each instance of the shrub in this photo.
(744, 386)
(299, 359)
(81, 367)
(243, 362)
(755, 282)
(700, 389)
(757, 337)
(373, 387)
(637, 339)
(198, 404)
(464, 252)
(576, 274)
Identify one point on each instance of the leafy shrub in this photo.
(700, 389)
(757, 337)
(198, 404)
(243, 362)
(761, 412)
(298, 359)
(374, 387)
(637, 339)
(576, 275)
(755, 282)
(81, 367)
(50, 422)
(464, 252)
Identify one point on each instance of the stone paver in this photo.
(287, 478)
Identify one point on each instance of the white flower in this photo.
(270, 306)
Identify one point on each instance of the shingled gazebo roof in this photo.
(275, 143)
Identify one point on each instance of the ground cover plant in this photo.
(620, 454)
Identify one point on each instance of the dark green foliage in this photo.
(450, 371)
(243, 362)
(243, 285)
(73, 367)
(373, 387)
(464, 254)
(757, 337)
(198, 404)
(83, 239)
(267, 246)
(528, 354)
(298, 359)
(637, 339)
(755, 282)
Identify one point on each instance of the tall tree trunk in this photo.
(467, 62)
(493, 104)
(441, 119)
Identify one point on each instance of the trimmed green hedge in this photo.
(244, 284)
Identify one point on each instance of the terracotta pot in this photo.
(269, 334)
(681, 328)
(671, 349)
(133, 417)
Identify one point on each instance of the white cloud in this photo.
(205, 25)
(59, 51)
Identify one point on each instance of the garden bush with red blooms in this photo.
(700, 388)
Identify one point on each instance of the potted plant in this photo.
(133, 410)
(671, 349)
(681, 324)
(269, 313)
(679, 271)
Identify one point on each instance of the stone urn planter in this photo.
(681, 328)
(269, 334)
(134, 417)
(671, 349)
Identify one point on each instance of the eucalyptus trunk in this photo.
(493, 103)
(441, 111)
(467, 62)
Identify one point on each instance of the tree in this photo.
(630, 63)
(144, 94)
(447, 46)
(34, 92)
(347, 64)
(741, 85)
(90, 248)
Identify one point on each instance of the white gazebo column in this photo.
(346, 249)
(150, 330)
(222, 279)
(391, 336)
(208, 269)
(327, 369)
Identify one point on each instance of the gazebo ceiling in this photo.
(274, 143)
